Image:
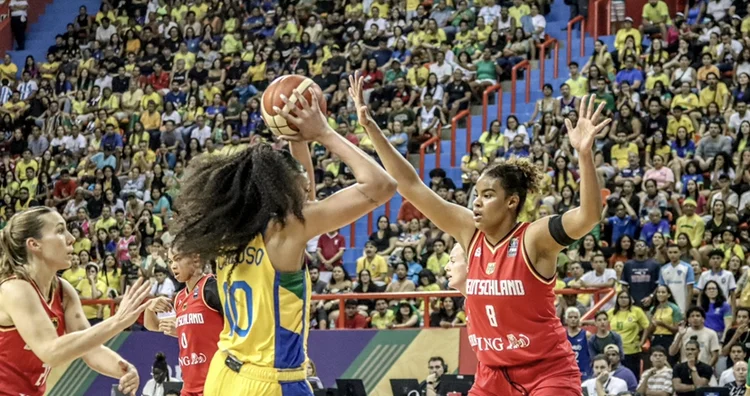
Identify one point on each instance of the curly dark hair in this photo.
(517, 177)
(226, 201)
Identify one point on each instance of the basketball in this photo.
(286, 86)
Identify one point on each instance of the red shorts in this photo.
(550, 377)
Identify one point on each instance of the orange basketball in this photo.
(285, 86)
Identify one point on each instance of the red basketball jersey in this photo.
(21, 372)
(510, 307)
(198, 328)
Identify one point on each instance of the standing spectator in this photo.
(678, 276)
(722, 277)
(629, 321)
(658, 379)
(18, 21)
(578, 340)
(698, 333)
(665, 319)
(604, 336)
(718, 311)
(640, 275)
(331, 247)
(738, 335)
(373, 262)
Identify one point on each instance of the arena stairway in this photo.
(40, 34)
(556, 20)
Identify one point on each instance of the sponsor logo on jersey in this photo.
(184, 306)
(494, 287)
(498, 344)
(478, 252)
(195, 293)
(490, 269)
(55, 323)
(193, 359)
(513, 249)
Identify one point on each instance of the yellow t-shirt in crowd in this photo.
(378, 267)
(628, 324)
(620, 154)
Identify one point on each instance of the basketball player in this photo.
(42, 324)
(198, 319)
(521, 345)
(251, 212)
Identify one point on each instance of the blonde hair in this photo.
(22, 226)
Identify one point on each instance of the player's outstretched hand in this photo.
(583, 135)
(308, 118)
(357, 92)
(168, 327)
(160, 304)
(129, 381)
(133, 302)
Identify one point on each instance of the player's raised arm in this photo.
(456, 220)
(301, 152)
(547, 236)
(373, 188)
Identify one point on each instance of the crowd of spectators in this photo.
(104, 127)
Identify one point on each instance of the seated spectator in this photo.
(353, 319)
(406, 316)
(737, 387)
(373, 262)
(449, 315)
(612, 352)
(736, 356)
(402, 283)
(691, 373)
(659, 377)
(603, 379)
(164, 287)
(382, 317)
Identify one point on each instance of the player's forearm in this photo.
(301, 152)
(73, 345)
(394, 162)
(104, 361)
(150, 320)
(372, 180)
(583, 218)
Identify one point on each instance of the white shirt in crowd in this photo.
(165, 288)
(613, 386)
(592, 278)
(18, 13)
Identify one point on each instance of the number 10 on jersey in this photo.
(240, 317)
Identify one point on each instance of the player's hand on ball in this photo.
(356, 91)
(129, 381)
(160, 304)
(167, 326)
(306, 116)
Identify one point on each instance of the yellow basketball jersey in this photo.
(265, 311)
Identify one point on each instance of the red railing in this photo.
(454, 126)
(513, 77)
(543, 59)
(569, 48)
(352, 234)
(423, 152)
(424, 296)
(485, 108)
(607, 19)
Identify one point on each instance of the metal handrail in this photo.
(608, 11)
(513, 79)
(485, 108)
(454, 126)
(423, 152)
(572, 22)
(424, 296)
(543, 60)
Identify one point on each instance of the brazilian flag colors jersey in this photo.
(265, 311)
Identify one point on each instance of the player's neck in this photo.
(495, 235)
(42, 276)
(190, 284)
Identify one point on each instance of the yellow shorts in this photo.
(253, 380)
